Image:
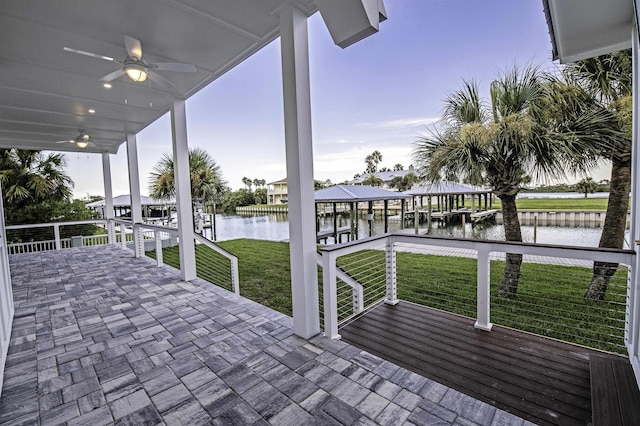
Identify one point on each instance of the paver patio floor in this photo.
(100, 337)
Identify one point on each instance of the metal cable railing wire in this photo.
(551, 301)
(550, 297)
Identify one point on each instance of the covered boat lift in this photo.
(450, 202)
(151, 209)
(351, 195)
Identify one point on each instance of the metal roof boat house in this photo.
(395, 332)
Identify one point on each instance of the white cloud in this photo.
(402, 123)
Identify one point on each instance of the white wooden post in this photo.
(134, 192)
(138, 240)
(56, 236)
(108, 197)
(483, 302)
(330, 295)
(182, 178)
(358, 299)
(235, 276)
(123, 236)
(391, 279)
(157, 235)
(299, 155)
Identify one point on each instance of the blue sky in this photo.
(378, 94)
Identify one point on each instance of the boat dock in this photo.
(481, 216)
(325, 235)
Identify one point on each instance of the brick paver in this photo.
(100, 337)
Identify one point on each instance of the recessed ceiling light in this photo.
(92, 111)
(107, 85)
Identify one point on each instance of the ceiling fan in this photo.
(81, 141)
(135, 68)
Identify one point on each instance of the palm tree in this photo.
(247, 182)
(372, 160)
(36, 189)
(373, 180)
(607, 79)
(30, 177)
(500, 145)
(403, 183)
(586, 186)
(207, 184)
(398, 167)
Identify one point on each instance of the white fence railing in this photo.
(47, 236)
(406, 267)
(217, 266)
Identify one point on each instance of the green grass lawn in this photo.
(549, 300)
(552, 204)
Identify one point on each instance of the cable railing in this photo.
(353, 279)
(464, 276)
(153, 241)
(216, 265)
(213, 263)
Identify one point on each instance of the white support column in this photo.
(134, 191)
(297, 128)
(330, 296)
(182, 179)
(632, 329)
(7, 308)
(108, 197)
(483, 302)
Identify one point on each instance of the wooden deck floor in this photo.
(541, 380)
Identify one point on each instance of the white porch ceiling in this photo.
(586, 28)
(46, 93)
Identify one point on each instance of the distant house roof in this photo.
(385, 176)
(278, 181)
(125, 201)
(446, 188)
(355, 193)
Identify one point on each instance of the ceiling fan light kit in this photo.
(81, 141)
(135, 71)
(135, 68)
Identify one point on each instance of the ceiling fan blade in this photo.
(161, 81)
(67, 141)
(112, 76)
(173, 66)
(93, 55)
(134, 47)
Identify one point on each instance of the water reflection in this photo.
(275, 227)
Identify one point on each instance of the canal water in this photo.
(275, 227)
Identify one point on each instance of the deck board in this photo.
(615, 393)
(542, 380)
